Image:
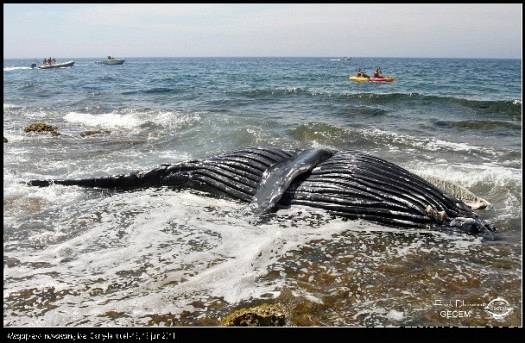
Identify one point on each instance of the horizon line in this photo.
(350, 57)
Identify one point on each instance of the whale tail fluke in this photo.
(124, 181)
(164, 175)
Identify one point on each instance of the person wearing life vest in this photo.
(360, 73)
(377, 72)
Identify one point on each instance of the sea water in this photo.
(89, 257)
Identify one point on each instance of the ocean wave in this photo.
(501, 186)
(156, 90)
(365, 111)
(172, 120)
(133, 120)
(473, 176)
(511, 108)
(331, 135)
(106, 120)
(11, 106)
(508, 107)
(477, 124)
(16, 68)
(323, 133)
(27, 85)
(274, 92)
(390, 138)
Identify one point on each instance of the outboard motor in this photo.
(33, 65)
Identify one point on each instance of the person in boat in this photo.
(49, 60)
(378, 72)
(45, 61)
(53, 61)
(360, 73)
(109, 57)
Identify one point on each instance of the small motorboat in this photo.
(56, 65)
(112, 61)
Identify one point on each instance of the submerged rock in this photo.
(11, 262)
(5, 140)
(40, 127)
(260, 315)
(94, 132)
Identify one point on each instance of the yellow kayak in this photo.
(359, 78)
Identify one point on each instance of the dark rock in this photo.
(94, 132)
(11, 262)
(261, 315)
(40, 127)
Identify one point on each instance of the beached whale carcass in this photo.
(348, 183)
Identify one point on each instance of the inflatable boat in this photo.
(56, 65)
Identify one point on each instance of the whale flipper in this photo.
(276, 179)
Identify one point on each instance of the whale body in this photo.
(348, 183)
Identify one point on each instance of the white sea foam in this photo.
(16, 68)
(395, 315)
(179, 246)
(174, 120)
(193, 253)
(499, 183)
(430, 144)
(8, 106)
(469, 175)
(20, 198)
(106, 120)
(133, 119)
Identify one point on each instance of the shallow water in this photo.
(86, 257)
